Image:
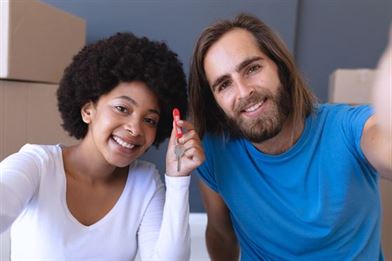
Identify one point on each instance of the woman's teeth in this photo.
(123, 143)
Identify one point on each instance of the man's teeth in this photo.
(123, 143)
(254, 107)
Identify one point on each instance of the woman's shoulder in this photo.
(40, 149)
(37, 152)
(41, 152)
(33, 160)
(143, 166)
(144, 171)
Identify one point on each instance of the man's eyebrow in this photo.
(239, 67)
(247, 61)
(136, 104)
(219, 80)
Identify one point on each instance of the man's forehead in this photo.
(235, 40)
(229, 52)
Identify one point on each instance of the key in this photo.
(178, 149)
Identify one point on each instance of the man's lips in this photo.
(254, 108)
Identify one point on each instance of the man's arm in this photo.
(377, 147)
(221, 241)
(376, 139)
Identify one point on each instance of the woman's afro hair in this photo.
(123, 57)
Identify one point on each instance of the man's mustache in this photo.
(256, 97)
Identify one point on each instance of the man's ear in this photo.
(87, 112)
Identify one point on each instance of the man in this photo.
(286, 178)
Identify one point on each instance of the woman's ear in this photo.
(87, 111)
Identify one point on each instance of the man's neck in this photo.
(284, 140)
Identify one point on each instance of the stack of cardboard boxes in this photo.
(37, 42)
(354, 86)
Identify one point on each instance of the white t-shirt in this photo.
(33, 200)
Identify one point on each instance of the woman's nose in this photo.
(133, 128)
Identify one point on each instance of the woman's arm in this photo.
(19, 180)
(164, 232)
(173, 241)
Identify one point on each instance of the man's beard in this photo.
(269, 124)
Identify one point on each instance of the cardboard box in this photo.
(37, 41)
(352, 86)
(29, 114)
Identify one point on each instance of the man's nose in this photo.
(244, 88)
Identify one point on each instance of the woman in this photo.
(96, 200)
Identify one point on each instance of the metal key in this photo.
(178, 149)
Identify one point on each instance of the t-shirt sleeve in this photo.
(206, 170)
(19, 181)
(164, 233)
(353, 122)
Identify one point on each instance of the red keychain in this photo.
(177, 117)
(178, 149)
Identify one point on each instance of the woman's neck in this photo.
(85, 164)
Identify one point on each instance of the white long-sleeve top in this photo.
(33, 201)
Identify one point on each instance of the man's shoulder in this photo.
(336, 110)
(331, 107)
(345, 119)
(219, 140)
(340, 107)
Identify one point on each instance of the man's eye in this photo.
(121, 109)
(223, 85)
(253, 68)
(151, 122)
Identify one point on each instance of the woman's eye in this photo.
(121, 109)
(151, 122)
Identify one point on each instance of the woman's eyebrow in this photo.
(132, 101)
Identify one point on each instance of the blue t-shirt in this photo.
(317, 201)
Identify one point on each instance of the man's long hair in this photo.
(205, 112)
